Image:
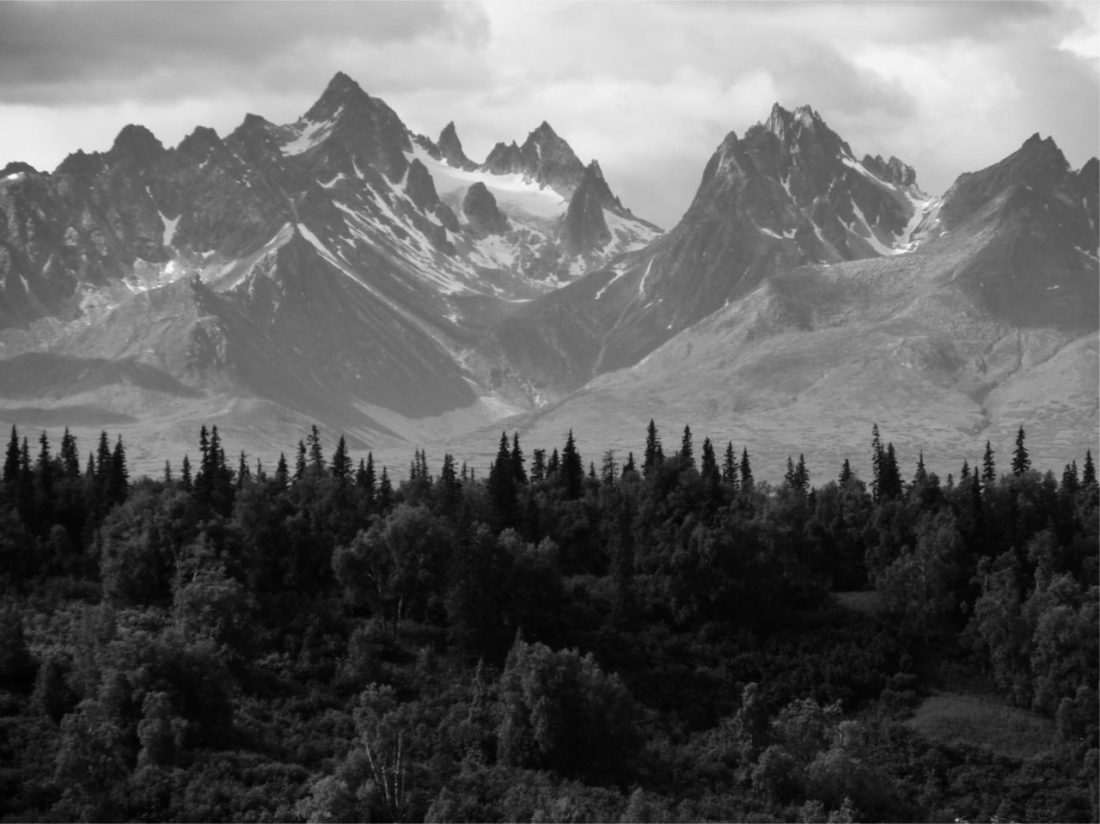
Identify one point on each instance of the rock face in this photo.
(450, 148)
(480, 208)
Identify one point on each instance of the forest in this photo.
(558, 637)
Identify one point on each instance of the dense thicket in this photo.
(651, 641)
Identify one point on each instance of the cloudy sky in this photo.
(648, 89)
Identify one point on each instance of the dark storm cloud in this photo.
(78, 51)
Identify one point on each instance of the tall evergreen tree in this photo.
(920, 477)
(1070, 480)
(572, 469)
(300, 462)
(889, 474)
(118, 479)
(654, 455)
(876, 463)
(629, 468)
(366, 479)
(746, 470)
(282, 473)
(185, 474)
(316, 457)
(538, 465)
(708, 466)
(553, 466)
(845, 474)
(729, 465)
(609, 469)
(244, 473)
(1089, 476)
(341, 462)
(11, 458)
(687, 450)
(385, 492)
(1021, 463)
(70, 458)
(502, 486)
(989, 468)
(519, 472)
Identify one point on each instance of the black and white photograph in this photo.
(550, 411)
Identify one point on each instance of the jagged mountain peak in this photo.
(200, 142)
(136, 142)
(16, 167)
(1038, 166)
(340, 91)
(450, 147)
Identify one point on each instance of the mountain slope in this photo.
(988, 323)
(789, 192)
(340, 257)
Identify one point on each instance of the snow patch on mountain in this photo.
(515, 194)
(169, 228)
(308, 134)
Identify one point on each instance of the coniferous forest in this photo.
(656, 637)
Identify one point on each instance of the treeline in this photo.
(608, 639)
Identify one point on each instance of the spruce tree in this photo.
(519, 473)
(502, 486)
(746, 470)
(70, 458)
(801, 474)
(119, 477)
(1070, 481)
(572, 469)
(1089, 476)
(729, 465)
(385, 492)
(244, 474)
(553, 466)
(300, 462)
(185, 474)
(1021, 463)
(687, 450)
(629, 468)
(282, 473)
(167, 472)
(11, 459)
(876, 463)
(366, 479)
(708, 467)
(341, 462)
(989, 468)
(845, 474)
(889, 474)
(920, 477)
(609, 469)
(654, 455)
(538, 465)
(316, 457)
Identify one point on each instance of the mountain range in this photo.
(345, 271)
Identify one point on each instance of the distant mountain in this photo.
(982, 316)
(789, 192)
(345, 271)
(340, 262)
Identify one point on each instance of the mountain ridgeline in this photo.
(345, 271)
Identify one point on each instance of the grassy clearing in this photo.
(868, 602)
(953, 718)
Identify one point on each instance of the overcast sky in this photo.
(648, 89)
